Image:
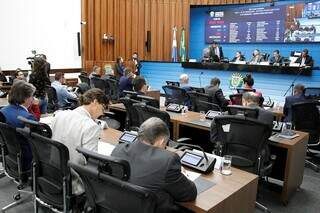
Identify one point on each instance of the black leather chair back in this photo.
(52, 99)
(84, 79)
(113, 86)
(145, 112)
(18, 157)
(107, 190)
(202, 102)
(175, 95)
(101, 84)
(37, 127)
(245, 139)
(83, 87)
(198, 89)
(242, 110)
(50, 170)
(132, 119)
(305, 117)
(173, 83)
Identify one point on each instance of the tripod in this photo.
(294, 80)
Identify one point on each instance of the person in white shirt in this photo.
(63, 95)
(77, 127)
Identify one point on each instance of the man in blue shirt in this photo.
(62, 93)
(125, 82)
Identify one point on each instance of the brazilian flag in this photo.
(182, 46)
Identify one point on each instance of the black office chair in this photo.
(150, 101)
(132, 120)
(84, 79)
(51, 173)
(202, 102)
(243, 90)
(312, 93)
(97, 82)
(145, 112)
(113, 86)
(198, 89)
(175, 95)
(107, 189)
(249, 151)
(37, 127)
(306, 118)
(236, 99)
(173, 83)
(16, 160)
(82, 88)
(52, 99)
(244, 111)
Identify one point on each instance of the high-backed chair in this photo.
(145, 112)
(113, 86)
(202, 102)
(132, 120)
(306, 118)
(37, 127)
(249, 151)
(198, 89)
(173, 83)
(243, 90)
(97, 82)
(236, 99)
(107, 189)
(50, 172)
(52, 99)
(175, 95)
(84, 79)
(242, 110)
(16, 160)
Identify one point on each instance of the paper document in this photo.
(105, 148)
(46, 120)
(218, 158)
(191, 175)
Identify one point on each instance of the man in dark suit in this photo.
(155, 168)
(137, 63)
(304, 59)
(215, 52)
(140, 85)
(249, 99)
(298, 96)
(276, 59)
(125, 82)
(216, 93)
(20, 98)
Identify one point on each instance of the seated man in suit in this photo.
(184, 82)
(155, 168)
(125, 82)
(20, 98)
(298, 96)
(238, 57)
(215, 52)
(249, 99)
(256, 57)
(216, 93)
(276, 59)
(140, 85)
(77, 127)
(304, 59)
(63, 95)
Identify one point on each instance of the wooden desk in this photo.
(231, 194)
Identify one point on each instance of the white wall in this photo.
(47, 26)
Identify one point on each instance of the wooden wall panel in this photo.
(128, 22)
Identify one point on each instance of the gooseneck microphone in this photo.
(200, 78)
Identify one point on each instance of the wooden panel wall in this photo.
(128, 22)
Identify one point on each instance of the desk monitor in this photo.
(245, 111)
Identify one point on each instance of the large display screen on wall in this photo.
(298, 22)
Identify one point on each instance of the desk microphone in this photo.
(200, 78)
(180, 145)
